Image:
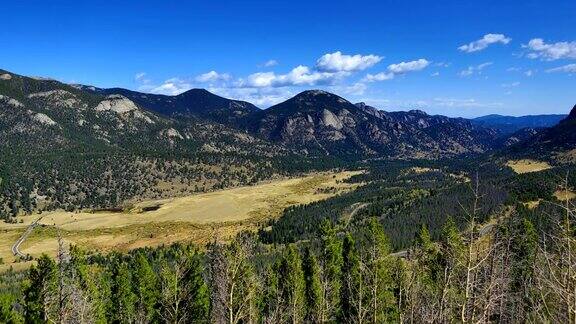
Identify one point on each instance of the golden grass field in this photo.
(198, 218)
(526, 166)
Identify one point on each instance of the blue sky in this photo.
(457, 58)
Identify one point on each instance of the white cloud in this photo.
(527, 73)
(338, 62)
(484, 42)
(404, 67)
(261, 97)
(435, 74)
(213, 76)
(269, 63)
(171, 87)
(474, 69)
(351, 89)
(483, 65)
(551, 52)
(398, 68)
(382, 76)
(462, 103)
(570, 68)
(510, 85)
(141, 78)
(357, 89)
(300, 75)
(469, 71)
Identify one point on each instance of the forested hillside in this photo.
(513, 272)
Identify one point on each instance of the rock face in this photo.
(116, 103)
(11, 102)
(125, 108)
(58, 99)
(43, 119)
(318, 121)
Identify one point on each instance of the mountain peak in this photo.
(313, 101)
(313, 92)
(198, 91)
(319, 96)
(418, 112)
(572, 115)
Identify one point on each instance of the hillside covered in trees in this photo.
(514, 273)
(421, 242)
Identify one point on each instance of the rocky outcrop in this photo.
(11, 102)
(116, 103)
(43, 119)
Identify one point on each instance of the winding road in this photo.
(358, 207)
(16, 247)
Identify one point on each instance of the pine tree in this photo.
(331, 264)
(94, 284)
(40, 285)
(524, 248)
(313, 294)
(451, 258)
(124, 296)
(352, 292)
(146, 288)
(271, 301)
(292, 284)
(198, 301)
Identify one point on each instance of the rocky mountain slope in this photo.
(64, 147)
(71, 146)
(320, 122)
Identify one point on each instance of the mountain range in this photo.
(318, 122)
(113, 145)
(54, 115)
(557, 143)
(512, 124)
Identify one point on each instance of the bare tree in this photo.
(556, 273)
(174, 292)
(232, 281)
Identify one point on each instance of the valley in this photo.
(109, 194)
(199, 218)
(288, 162)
